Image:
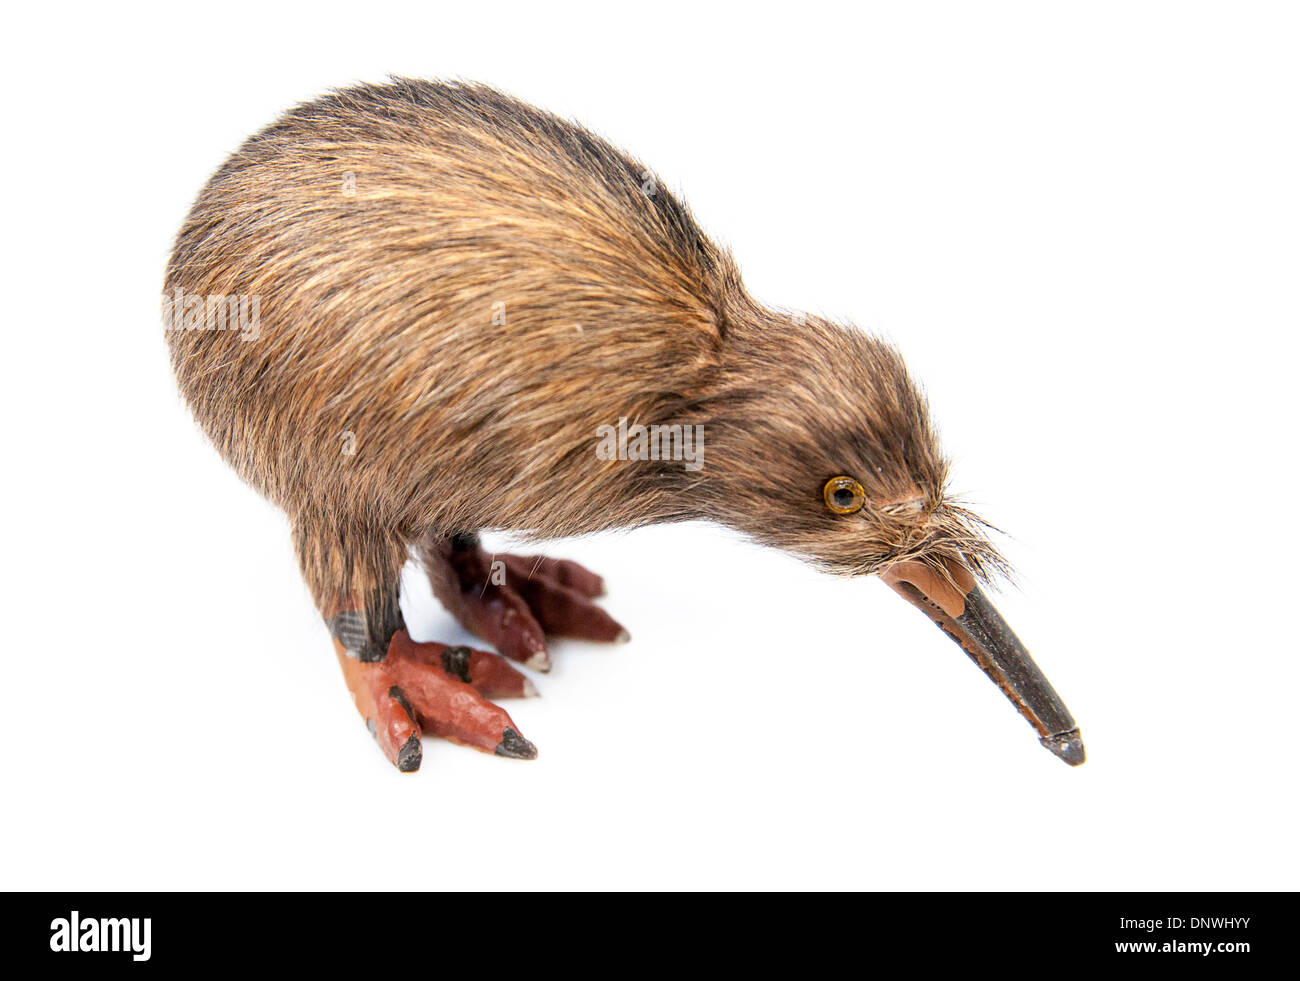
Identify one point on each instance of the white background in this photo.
(1081, 223)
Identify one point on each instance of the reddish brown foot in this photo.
(439, 689)
(514, 601)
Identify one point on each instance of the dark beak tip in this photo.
(1067, 746)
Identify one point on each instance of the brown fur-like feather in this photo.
(467, 288)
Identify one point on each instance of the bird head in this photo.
(820, 444)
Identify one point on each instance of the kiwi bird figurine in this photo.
(410, 312)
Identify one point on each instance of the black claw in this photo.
(409, 756)
(516, 746)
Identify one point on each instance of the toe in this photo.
(396, 729)
(453, 709)
(490, 674)
(494, 677)
(388, 713)
(508, 624)
(561, 571)
(566, 612)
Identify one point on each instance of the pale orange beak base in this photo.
(966, 615)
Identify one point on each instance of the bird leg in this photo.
(514, 601)
(401, 687)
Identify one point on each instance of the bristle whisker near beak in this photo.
(955, 532)
(981, 554)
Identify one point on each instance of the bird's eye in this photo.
(844, 495)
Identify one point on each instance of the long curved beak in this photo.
(965, 614)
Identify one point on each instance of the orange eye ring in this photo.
(844, 495)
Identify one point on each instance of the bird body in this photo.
(458, 299)
(469, 287)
